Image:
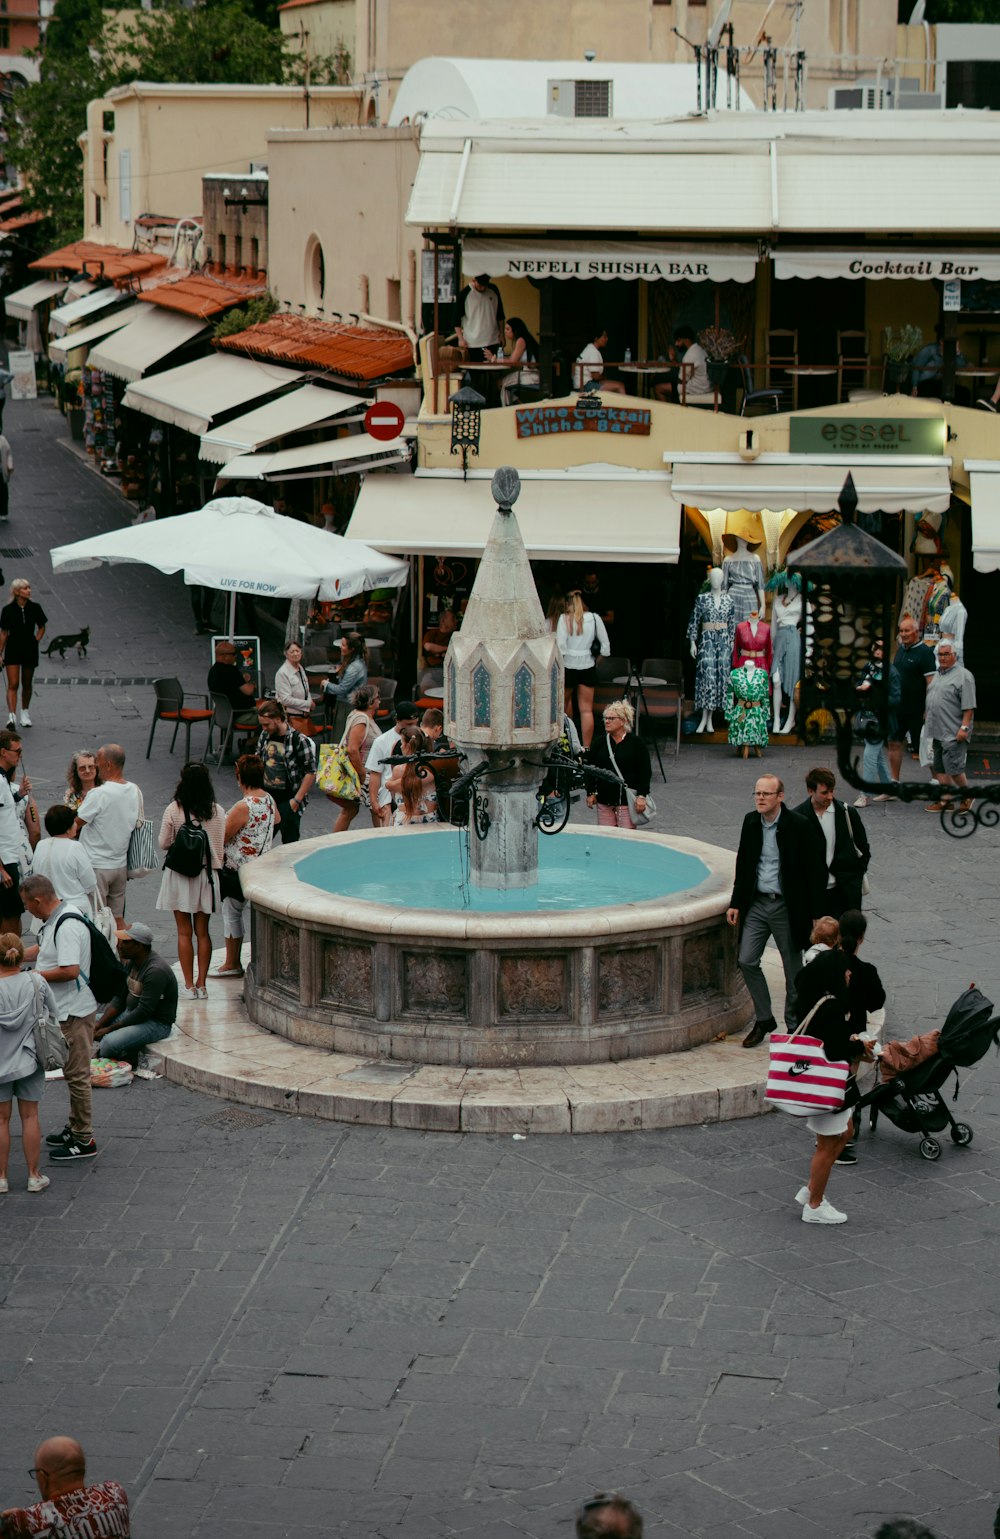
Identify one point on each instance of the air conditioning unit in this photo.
(864, 96)
(579, 98)
(920, 101)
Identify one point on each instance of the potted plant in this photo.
(721, 347)
(898, 349)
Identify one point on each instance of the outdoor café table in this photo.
(799, 371)
(974, 374)
(638, 678)
(492, 373)
(644, 371)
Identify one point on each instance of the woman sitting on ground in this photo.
(413, 787)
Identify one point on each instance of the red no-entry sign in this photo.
(384, 420)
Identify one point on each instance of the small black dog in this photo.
(79, 640)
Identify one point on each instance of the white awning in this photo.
(291, 413)
(984, 480)
(609, 259)
(533, 190)
(593, 519)
(338, 456)
(77, 289)
(147, 340)
(905, 264)
(23, 303)
(84, 309)
(85, 336)
(812, 488)
(193, 395)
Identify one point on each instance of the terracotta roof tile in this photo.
(360, 353)
(18, 221)
(206, 293)
(110, 262)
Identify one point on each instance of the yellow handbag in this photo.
(337, 775)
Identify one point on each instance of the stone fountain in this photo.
(450, 946)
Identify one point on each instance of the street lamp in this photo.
(466, 421)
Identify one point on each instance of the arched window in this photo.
(554, 701)
(482, 696)
(451, 691)
(315, 271)
(524, 693)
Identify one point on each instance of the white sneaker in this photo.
(37, 1183)
(25, 719)
(201, 993)
(861, 801)
(802, 1196)
(11, 720)
(824, 1214)
(191, 993)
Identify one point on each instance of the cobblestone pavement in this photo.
(266, 1326)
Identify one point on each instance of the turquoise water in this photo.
(431, 871)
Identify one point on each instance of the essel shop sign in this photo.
(866, 435)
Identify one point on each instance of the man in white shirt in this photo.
(60, 858)
(382, 749)
(693, 372)
(11, 907)
(107, 817)
(591, 359)
(480, 317)
(63, 960)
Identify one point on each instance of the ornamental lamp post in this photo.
(848, 596)
(466, 422)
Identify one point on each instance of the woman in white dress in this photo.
(250, 825)
(193, 898)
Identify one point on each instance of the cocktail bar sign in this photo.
(867, 435)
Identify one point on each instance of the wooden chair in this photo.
(663, 702)
(782, 354)
(170, 698)
(853, 362)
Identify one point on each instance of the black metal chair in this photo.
(229, 722)
(170, 706)
(755, 397)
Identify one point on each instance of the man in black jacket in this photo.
(779, 877)
(841, 842)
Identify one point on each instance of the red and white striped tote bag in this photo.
(800, 1077)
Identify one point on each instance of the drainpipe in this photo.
(411, 284)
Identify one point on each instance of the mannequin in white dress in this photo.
(786, 619)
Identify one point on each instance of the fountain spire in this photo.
(504, 695)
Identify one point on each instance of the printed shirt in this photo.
(92, 1512)
(287, 762)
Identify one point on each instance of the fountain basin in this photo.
(484, 988)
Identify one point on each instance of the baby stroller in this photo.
(912, 1100)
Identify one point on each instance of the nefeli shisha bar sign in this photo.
(540, 421)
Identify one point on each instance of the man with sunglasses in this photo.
(67, 1505)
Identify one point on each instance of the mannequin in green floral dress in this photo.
(747, 711)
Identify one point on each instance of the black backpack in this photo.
(106, 978)
(190, 853)
(968, 1030)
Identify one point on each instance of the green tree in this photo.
(967, 11)
(88, 51)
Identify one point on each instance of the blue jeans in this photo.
(127, 1039)
(875, 764)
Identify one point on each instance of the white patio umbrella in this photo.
(242, 546)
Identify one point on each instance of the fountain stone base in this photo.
(488, 989)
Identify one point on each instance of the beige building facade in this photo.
(147, 145)
(841, 39)
(348, 251)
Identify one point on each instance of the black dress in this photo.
(21, 623)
